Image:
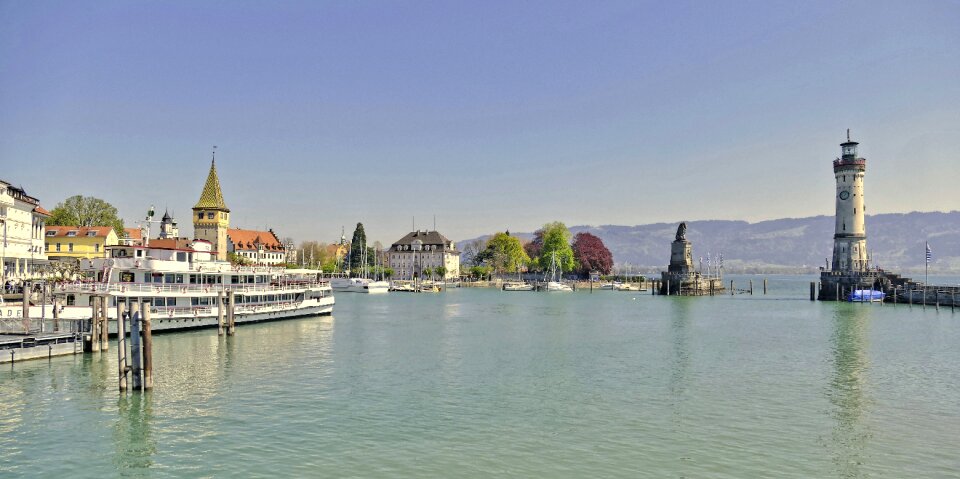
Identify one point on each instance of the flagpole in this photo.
(926, 266)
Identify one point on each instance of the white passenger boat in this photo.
(359, 285)
(182, 286)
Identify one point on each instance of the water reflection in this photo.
(847, 389)
(133, 438)
(680, 359)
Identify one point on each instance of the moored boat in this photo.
(182, 285)
(359, 285)
(517, 286)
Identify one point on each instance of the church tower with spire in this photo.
(211, 217)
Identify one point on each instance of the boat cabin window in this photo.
(139, 253)
(71, 300)
(126, 277)
(173, 278)
(201, 301)
(181, 256)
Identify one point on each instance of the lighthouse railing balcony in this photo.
(849, 162)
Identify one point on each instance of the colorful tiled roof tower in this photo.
(211, 217)
(212, 198)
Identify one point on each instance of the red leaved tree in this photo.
(591, 254)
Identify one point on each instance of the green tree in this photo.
(237, 260)
(441, 272)
(556, 239)
(428, 272)
(82, 210)
(505, 254)
(357, 248)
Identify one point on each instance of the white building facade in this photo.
(22, 224)
(419, 250)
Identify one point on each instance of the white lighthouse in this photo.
(850, 234)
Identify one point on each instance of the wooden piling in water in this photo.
(231, 310)
(104, 323)
(136, 365)
(764, 285)
(121, 346)
(56, 315)
(813, 290)
(220, 305)
(25, 308)
(751, 287)
(147, 351)
(95, 324)
(731, 287)
(838, 292)
(43, 305)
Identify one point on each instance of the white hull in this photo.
(517, 287)
(358, 285)
(557, 286)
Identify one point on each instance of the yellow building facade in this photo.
(79, 242)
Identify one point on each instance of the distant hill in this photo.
(895, 241)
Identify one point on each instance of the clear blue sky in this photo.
(489, 115)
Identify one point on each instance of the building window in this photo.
(46, 247)
(52, 233)
(58, 246)
(71, 233)
(200, 215)
(70, 247)
(210, 215)
(96, 247)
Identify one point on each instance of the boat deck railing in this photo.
(167, 289)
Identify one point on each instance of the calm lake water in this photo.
(483, 383)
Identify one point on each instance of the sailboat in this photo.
(554, 284)
(360, 284)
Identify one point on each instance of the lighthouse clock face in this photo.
(844, 194)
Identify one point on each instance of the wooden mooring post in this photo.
(104, 323)
(231, 319)
(56, 314)
(136, 365)
(95, 324)
(43, 305)
(838, 292)
(731, 287)
(813, 291)
(25, 307)
(764, 285)
(147, 350)
(751, 287)
(220, 304)
(121, 345)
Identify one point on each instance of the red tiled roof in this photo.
(39, 209)
(133, 233)
(248, 239)
(81, 231)
(170, 243)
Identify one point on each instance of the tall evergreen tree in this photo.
(358, 246)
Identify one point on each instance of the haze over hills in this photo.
(895, 241)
